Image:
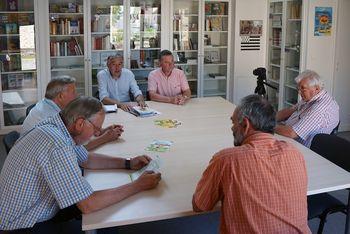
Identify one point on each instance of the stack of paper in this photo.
(154, 165)
(144, 112)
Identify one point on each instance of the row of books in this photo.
(218, 8)
(216, 24)
(69, 47)
(66, 27)
(9, 24)
(18, 81)
(101, 43)
(70, 7)
(276, 37)
(182, 44)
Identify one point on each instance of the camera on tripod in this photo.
(261, 82)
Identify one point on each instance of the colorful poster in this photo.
(323, 21)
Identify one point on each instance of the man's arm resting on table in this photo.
(285, 113)
(111, 133)
(104, 198)
(160, 98)
(186, 94)
(285, 130)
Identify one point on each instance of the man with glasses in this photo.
(115, 84)
(167, 83)
(59, 92)
(41, 184)
(317, 112)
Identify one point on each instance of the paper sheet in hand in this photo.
(153, 165)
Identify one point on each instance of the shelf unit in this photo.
(66, 38)
(284, 51)
(18, 68)
(200, 44)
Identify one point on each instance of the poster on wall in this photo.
(250, 32)
(323, 21)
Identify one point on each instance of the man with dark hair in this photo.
(115, 84)
(261, 183)
(59, 92)
(41, 182)
(167, 83)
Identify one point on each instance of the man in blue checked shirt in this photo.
(59, 92)
(41, 183)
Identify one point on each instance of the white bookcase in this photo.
(284, 51)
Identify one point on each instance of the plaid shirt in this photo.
(41, 175)
(262, 187)
(319, 115)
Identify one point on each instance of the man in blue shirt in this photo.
(41, 174)
(59, 92)
(115, 84)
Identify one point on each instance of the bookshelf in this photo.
(200, 35)
(66, 40)
(284, 51)
(216, 47)
(144, 39)
(18, 68)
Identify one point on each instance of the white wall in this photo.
(320, 50)
(341, 88)
(246, 61)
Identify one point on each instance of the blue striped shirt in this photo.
(41, 175)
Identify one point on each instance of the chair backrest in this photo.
(29, 108)
(335, 130)
(10, 139)
(333, 148)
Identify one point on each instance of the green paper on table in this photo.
(153, 165)
(167, 123)
(159, 146)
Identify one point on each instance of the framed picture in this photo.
(250, 27)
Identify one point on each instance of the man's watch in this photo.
(128, 163)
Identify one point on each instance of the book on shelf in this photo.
(12, 5)
(72, 7)
(25, 19)
(73, 27)
(207, 8)
(11, 28)
(216, 24)
(216, 76)
(69, 47)
(218, 8)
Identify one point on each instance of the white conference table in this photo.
(205, 129)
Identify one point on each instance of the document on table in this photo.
(154, 165)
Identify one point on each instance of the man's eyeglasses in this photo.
(96, 129)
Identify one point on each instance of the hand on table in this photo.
(148, 180)
(125, 107)
(112, 132)
(139, 162)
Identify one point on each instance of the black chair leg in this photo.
(323, 219)
(347, 223)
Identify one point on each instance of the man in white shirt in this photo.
(59, 92)
(115, 84)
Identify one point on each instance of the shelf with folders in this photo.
(17, 60)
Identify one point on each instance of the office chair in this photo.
(336, 150)
(10, 139)
(335, 130)
(29, 108)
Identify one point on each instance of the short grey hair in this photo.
(81, 107)
(112, 57)
(58, 85)
(312, 77)
(259, 111)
